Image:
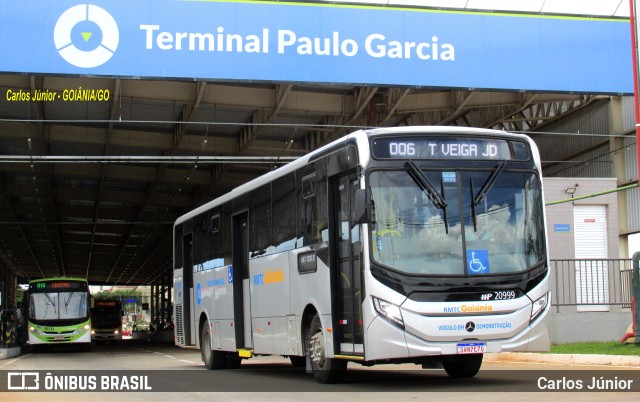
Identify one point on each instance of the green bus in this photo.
(59, 312)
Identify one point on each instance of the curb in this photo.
(6, 353)
(600, 360)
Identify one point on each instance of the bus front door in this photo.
(347, 303)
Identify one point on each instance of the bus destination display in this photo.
(448, 148)
(62, 285)
(106, 303)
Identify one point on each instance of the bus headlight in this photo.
(86, 327)
(539, 306)
(389, 311)
(93, 332)
(115, 332)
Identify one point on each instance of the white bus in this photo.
(421, 245)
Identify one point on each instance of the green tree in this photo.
(118, 294)
(19, 295)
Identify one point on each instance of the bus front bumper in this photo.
(386, 341)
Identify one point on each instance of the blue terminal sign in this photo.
(296, 42)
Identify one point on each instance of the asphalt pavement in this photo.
(551, 358)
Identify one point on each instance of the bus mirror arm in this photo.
(361, 206)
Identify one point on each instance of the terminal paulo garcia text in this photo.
(375, 45)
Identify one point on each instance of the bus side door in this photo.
(346, 271)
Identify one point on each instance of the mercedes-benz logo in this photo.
(470, 326)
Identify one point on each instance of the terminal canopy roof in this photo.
(105, 208)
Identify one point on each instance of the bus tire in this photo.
(325, 370)
(213, 359)
(465, 366)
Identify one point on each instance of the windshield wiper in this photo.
(425, 185)
(50, 300)
(52, 303)
(486, 187)
(66, 302)
(473, 206)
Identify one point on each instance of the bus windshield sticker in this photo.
(478, 262)
(448, 177)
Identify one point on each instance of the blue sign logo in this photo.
(478, 262)
(230, 274)
(86, 36)
(562, 227)
(198, 293)
(130, 301)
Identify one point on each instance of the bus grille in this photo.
(54, 339)
(179, 325)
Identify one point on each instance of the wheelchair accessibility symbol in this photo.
(478, 261)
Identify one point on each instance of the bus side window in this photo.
(260, 221)
(311, 188)
(284, 212)
(307, 206)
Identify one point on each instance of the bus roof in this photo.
(59, 278)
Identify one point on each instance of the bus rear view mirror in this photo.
(361, 206)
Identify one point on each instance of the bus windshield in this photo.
(58, 305)
(457, 222)
(106, 314)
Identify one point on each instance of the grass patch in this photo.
(598, 348)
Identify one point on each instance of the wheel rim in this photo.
(317, 349)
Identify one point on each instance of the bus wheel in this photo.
(465, 366)
(213, 359)
(325, 370)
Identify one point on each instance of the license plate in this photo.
(466, 348)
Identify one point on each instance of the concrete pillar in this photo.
(152, 303)
(163, 299)
(156, 301)
(616, 146)
(8, 284)
(170, 294)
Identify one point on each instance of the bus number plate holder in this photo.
(470, 348)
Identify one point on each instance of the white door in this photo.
(592, 282)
